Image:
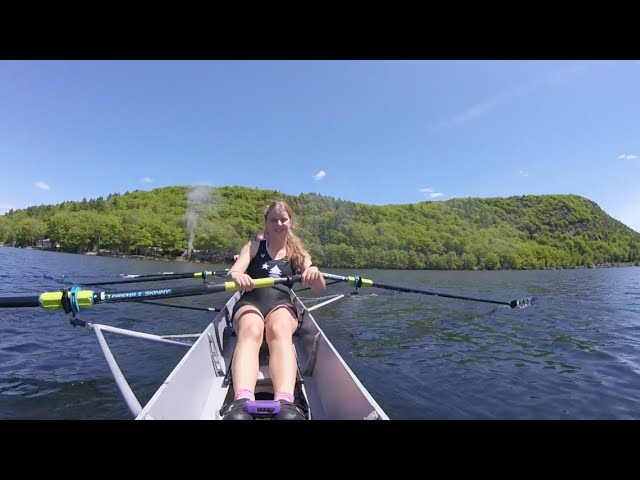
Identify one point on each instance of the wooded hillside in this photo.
(472, 233)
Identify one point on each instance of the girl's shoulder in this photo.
(255, 244)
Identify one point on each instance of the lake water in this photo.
(573, 354)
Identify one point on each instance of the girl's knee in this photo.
(276, 330)
(253, 333)
(280, 324)
(249, 326)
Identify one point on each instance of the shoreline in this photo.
(228, 260)
(179, 259)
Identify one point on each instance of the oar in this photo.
(188, 274)
(76, 299)
(365, 282)
(185, 307)
(159, 277)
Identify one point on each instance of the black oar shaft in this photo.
(359, 282)
(156, 278)
(136, 280)
(436, 294)
(185, 307)
(17, 302)
(133, 295)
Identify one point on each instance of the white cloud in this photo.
(429, 192)
(5, 207)
(320, 175)
(147, 179)
(524, 173)
(624, 156)
(42, 186)
(479, 109)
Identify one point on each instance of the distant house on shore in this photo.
(153, 252)
(210, 256)
(44, 244)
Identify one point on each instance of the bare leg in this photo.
(249, 326)
(280, 326)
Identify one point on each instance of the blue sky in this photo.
(376, 132)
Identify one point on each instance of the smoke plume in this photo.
(198, 198)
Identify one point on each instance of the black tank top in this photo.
(263, 266)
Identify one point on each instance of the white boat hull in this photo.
(198, 388)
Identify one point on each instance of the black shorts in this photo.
(266, 299)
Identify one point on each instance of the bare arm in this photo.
(311, 276)
(237, 271)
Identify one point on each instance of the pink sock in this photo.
(283, 396)
(244, 393)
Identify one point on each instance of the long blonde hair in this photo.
(296, 253)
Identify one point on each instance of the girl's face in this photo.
(278, 222)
